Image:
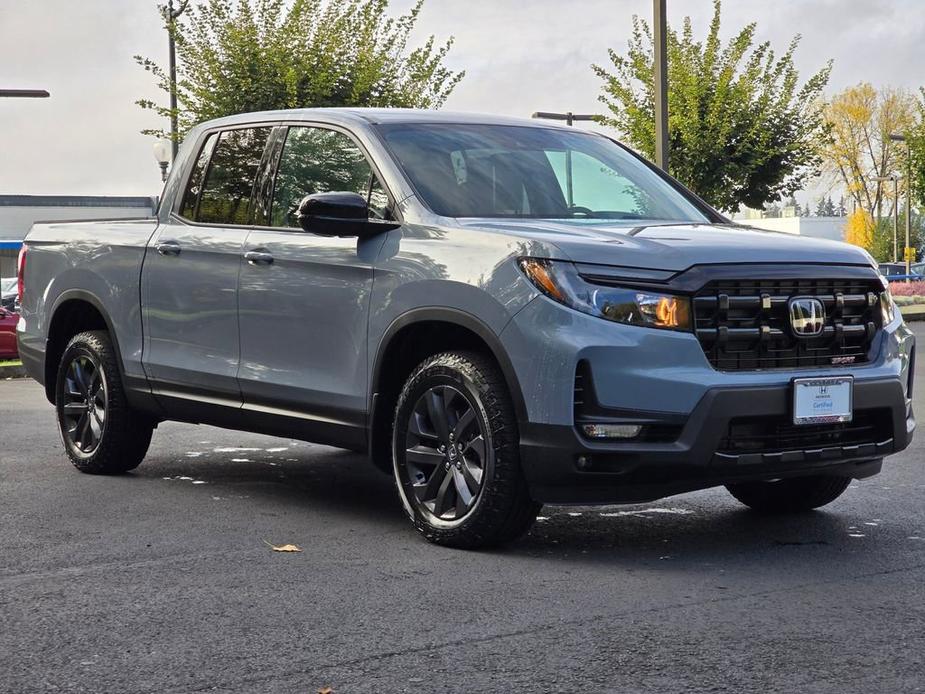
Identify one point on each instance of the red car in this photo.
(8, 321)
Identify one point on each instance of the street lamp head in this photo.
(897, 137)
(162, 156)
(162, 151)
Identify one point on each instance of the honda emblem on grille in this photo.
(807, 316)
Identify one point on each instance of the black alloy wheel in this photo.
(446, 455)
(83, 411)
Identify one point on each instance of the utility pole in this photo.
(171, 15)
(569, 119)
(660, 28)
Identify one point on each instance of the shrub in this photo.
(907, 288)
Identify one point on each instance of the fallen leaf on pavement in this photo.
(325, 690)
(284, 548)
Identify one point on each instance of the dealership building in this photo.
(19, 212)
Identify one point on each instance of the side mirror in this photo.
(339, 214)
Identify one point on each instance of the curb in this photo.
(913, 313)
(12, 371)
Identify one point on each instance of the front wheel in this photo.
(790, 495)
(101, 434)
(455, 453)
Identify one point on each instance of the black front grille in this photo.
(772, 434)
(745, 324)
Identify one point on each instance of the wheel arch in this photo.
(439, 329)
(73, 312)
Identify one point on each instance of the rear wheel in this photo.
(790, 495)
(101, 434)
(456, 454)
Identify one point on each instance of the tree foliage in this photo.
(859, 229)
(826, 208)
(916, 137)
(859, 150)
(235, 56)
(742, 129)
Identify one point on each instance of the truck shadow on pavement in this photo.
(702, 527)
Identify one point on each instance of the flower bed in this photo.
(908, 293)
(907, 288)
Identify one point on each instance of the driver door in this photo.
(304, 298)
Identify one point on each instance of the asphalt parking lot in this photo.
(163, 581)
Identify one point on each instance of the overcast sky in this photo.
(519, 56)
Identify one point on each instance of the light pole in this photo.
(24, 93)
(569, 119)
(660, 37)
(895, 137)
(895, 178)
(568, 116)
(162, 156)
(171, 15)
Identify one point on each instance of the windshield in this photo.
(517, 171)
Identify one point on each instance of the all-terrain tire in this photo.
(118, 440)
(502, 511)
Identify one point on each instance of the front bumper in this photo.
(563, 467)
(664, 378)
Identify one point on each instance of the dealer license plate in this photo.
(822, 400)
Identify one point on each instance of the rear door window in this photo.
(226, 196)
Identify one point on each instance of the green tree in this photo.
(742, 129)
(235, 56)
(826, 208)
(916, 136)
(882, 243)
(882, 246)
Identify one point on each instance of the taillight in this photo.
(21, 271)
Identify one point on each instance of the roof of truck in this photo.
(379, 115)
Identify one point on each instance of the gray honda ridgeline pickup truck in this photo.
(501, 313)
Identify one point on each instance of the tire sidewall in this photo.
(430, 374)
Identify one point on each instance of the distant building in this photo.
(816, 227)
(19, 212)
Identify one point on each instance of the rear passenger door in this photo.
(304, 298)
(190, 276)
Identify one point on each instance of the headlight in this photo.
(560, 281)
(887, 306)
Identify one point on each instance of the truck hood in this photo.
(675, 247)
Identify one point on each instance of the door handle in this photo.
(258, 258)
(168, 248)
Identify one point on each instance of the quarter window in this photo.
(194, 187)
(226, 194)
(316, 160)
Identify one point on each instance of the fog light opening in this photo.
(611, 431)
